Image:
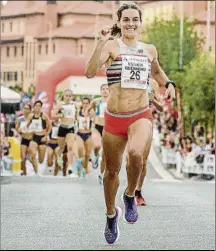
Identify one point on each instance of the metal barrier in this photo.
(190, 166)
(156, 138)
(6, 166)
(209, 164)
(168, 156)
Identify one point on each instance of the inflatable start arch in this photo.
(48, 80)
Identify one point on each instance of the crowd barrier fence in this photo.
(188, 164)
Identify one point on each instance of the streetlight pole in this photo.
(208, 23)
(181, 35)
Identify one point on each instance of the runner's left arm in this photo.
(159, 75)
(157, 99)
(48, 125)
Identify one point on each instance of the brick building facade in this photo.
(35, 34)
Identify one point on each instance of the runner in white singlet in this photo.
(99, 106)
(84, 137)
(66, 112)
(128, 119)
(21, 128)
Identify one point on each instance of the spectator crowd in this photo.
(197, 143)
(166, 129)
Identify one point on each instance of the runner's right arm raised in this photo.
(101, 54)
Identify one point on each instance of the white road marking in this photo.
(157, 165)
(164, 180)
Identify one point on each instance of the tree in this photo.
(164, 34)
(196, 79)
(197, 88)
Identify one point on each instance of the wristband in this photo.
(170, 82)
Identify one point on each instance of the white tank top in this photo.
(132, 67)
(69, 110)
(23, 125)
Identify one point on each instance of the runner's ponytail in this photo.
(115, 30)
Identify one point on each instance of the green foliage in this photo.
(164, 34)
(197, 89)
(31, 90)
(196, 79)
(16, 88)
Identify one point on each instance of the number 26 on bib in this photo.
(135, 72)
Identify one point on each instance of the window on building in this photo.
(54, 48)
(10, 76)
(81, 49)
(39, 49)
(22, 50)
(15, 51)
(22, 76)
(5, 76)
(2, 27)
(11, 26)
(8, 51)
(15, 76)
(46, 48)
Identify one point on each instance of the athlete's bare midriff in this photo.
(122, 99)
(27, 135)
(67, 121)
(99, 121)
(42, 133)
(126, 100)
(84, 131)
(53, 141)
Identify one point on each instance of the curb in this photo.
(173, 173)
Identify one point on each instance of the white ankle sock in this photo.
(111, 216)
(129, 195)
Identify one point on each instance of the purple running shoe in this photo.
(111, 232)
(130, 209)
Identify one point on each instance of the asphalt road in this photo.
(50, 213)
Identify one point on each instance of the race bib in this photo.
(69, 111)
(36, 125)
(84, 123)
(103, 107)
(54, 134)
(135, 72)
(23, 127)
